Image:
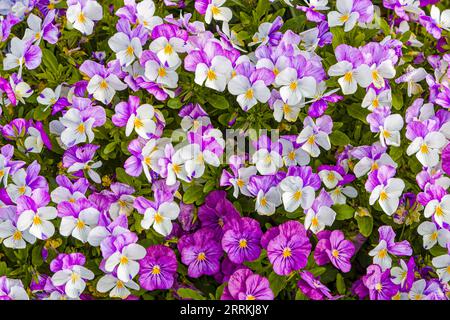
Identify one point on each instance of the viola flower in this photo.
(311, 287)
(158, 268)
(427, 148)
(268, 197)
(250, 91)
(293, 87)
(373, 100)
(12, 237)
(12, 289)
(312, 10)
(384, 188)
(79, 160)
(78, 219)
(116, 288)
(24, 182)
(76, 129)
(439, 209)
(315, 134)
(379, 284)
(404, 275)
(320, 214)
(38, 30)
(371, 158)
(159, 215)
(239, 178)
(123, 200)
(442, 265)
(216, 11)
(268, 32)
(295, 194)
(107, 228)
(216, 75)
(388, 245)
(120, 253)
(200, 252)
(338, 250)
(23, 52)
(432, 235)
(344, 16)
(267, 158)
(103, 82)
(145, 14)
(351, 76)
(246, 285)
(168, 42)
(34, 215)
(288, 247)
(292, 153)
(69, 272)
(216, 212)
(241, 240)
(83, 14)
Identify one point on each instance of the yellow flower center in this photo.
(81, 18)
(162, 72)
(263, 201)
(424, 148)
(156, 270)
(383, 195)
(311, 140)
(293, 85)
(138, 123)
(297, 195)
(250, 297)
(168, 50)
(120, 284)
(378, 286)
(22, 189)
(287, 252)
(103, 84)
(215, 10)
(211, 75)
(286, 108)
(375, 103)
(37, 220)
(335, 253)
(123, 260)
(242, 243)
(314, 222)
(130, 51)
(74, 277)
(344, 18)
(201, 256)
(348, 77)
(249, 94)
(17, 235)
(80, 224)
(240, 183)
(439, 211)
(158, 218)
(382, 253)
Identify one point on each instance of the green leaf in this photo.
(189, 293)
(339, 138)
(438, 251)
(218, 102)
(343, 211)
(277, 283)
(109, 147)
(397, 100)
(49, 60)
(340, 284)
(365, 225)
(192, 194)
(36, 256)
(357, 112)
(174, 103)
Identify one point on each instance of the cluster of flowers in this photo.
(109, 180)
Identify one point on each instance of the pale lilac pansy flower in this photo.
(83, 14)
